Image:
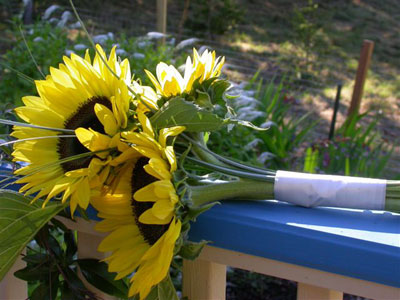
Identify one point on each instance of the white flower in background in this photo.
(246, 106)
(38, 39)
(100, 39)
(79, 47)
(53, 21)
(49, 11)
(250, 115)
(265, 156)
(153, 35)
(143, 44)
(65, 17)
(68, 52)
(171, 41)
(267, 124)
(121, 52)
(186, 43)
(204, 48)
(254, 143)
(75, 25)
(138, 55)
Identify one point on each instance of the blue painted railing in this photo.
(354, 243)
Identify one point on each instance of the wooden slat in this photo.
(297, 273)
(11, 287)
(311, 292)
(204, 280)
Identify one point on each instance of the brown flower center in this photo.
(140, 178)
(83, 117)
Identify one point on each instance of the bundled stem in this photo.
(234, 190)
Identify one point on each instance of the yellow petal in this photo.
(146, 125)
(94, 141)
(163, 209)
(166, 132)
(106, 117)
(170, 154)
(148, 218)
(153, 80)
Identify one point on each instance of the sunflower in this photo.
(85, 100)
(139, 212)
(170, 82)
(147, 97)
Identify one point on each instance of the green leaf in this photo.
(218, 89)
(165, 290)
(203, 100)
(96, 273)
(245, 123)
(66, 292)
(41, 292)
(46, 290)
(177, 111)
(19, 223)
(35, 272)
(195, 211)
(69, 240)
(191, 250)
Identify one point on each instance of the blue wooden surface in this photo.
(355, 243)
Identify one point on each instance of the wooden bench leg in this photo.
(12, 288)
(87, 248)
(204, 280)
(310, 292)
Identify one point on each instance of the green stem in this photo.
(392, 205)
(200, 152)
(392, 201)
(242, 189)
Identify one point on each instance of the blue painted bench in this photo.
(328, 251)
(324, 249)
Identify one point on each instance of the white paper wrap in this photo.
(330, 190)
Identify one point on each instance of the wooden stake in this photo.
(363, 65)
(162, 17)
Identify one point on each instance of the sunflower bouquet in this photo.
(95, 136)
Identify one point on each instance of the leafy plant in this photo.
(214, 17)
(53, 268)
(305, 26)
(15, 213)
(285, 133)
(46, 43)
(355, 151)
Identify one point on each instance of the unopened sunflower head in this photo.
(140, 212)
(169, 82)
(204, 66)
(87, 106)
